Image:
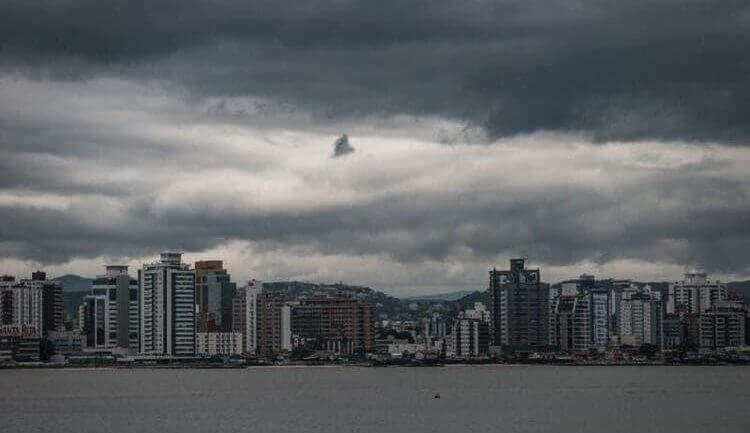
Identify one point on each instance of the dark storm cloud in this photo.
(674, 69)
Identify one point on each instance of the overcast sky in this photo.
(405, 145)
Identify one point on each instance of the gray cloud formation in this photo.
(615, 132)
(342, 146)
(111, 189)
(667, 69)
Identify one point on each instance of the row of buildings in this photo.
(581, 318)
(172, 310)
(29, 309)
(588, 315)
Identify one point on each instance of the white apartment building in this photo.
(167, 307)
(695, 294)
(21, 303)
(640, 318)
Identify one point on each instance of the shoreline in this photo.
(199, 366)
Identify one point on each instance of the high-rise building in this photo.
(250, 317)
(569, 322)
(579, 316)
(214, 294)
(117, 293)
(334, 322)
(238, 313)
(52, 302)
(22, 304)
(269, 327)
(167, 307)
(694, 294)
(519, 311)
(470, 336)
(95, 322)
(640, 317)
(723, 325)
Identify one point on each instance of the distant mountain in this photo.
(450, 296)
(71, 302)
(75, 287)
(74, 283)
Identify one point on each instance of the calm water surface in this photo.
(485, 399)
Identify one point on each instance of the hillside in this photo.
(383, 303)
(467, 302)
(75, 287)
(450, 296)
(74, 283)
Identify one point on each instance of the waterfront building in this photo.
(470, 338)
(333, 322)
(52, 303)
(570, 328)
(723, 325)
(214, 295)
(270, 340)
(694, 294)
(579, 316)
(218, 343)
(113, 308)
(253, 289)
(640, 317)
(22, 303)
(19, 342)
(519, 310)
(96, 324)
(167, 307)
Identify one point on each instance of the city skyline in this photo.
(375, 215)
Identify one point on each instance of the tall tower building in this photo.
(52, 303)
(579, 316)
(214, 293)
(270, 323)
(640, 318)
(167, 307)
(117, 293)
(252, 292)
(95, 321)
(519, 307)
